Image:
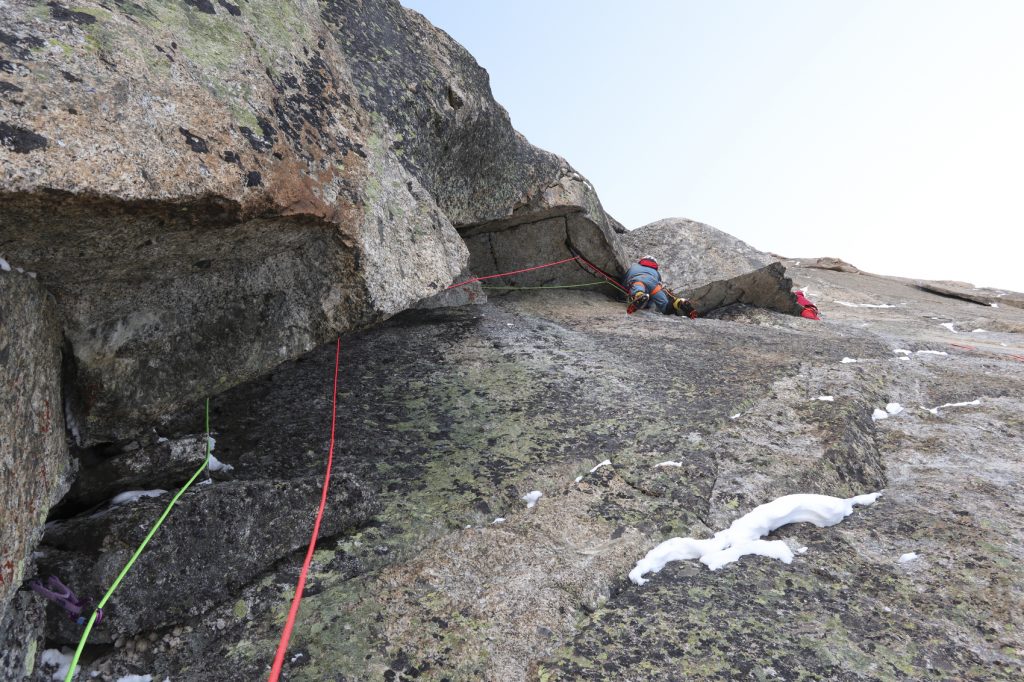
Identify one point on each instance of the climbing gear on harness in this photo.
(61, 594)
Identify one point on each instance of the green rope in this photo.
(127, 566)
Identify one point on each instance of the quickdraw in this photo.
(61, 594)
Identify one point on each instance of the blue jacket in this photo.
(642, 278)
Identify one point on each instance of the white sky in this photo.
(887, 133)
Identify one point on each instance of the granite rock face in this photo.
(161, 464)
(209, 190)
(515, 205)
(35, 468)
(476, 406)
(691, 254)
(22, 632)
(219, 538)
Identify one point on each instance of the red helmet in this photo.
(649, 262)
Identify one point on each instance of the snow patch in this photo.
(500, 519)
(994, 305)
(133, 495)
(949, 326)
(864, 305)
(6, 267)
(879, 415)
(932, 352)
(579, 478)
(979, 331)
(605, 463)
(217, 465)
(935, 410)
(744, 535)
(146, 678)
(893, 408)
(53, 658)
(825, 398)
(847, 361)
(735, 416)
(668, 464)
(909, 556)
(902, 351)
(531, 498)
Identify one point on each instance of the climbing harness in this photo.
(61, 594)
(286, 634)
(97, 614)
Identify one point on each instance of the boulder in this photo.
(217, 539)
(767, 287)
(162, 464)
(690, 253)
(34, 462)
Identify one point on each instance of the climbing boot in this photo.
(638, 301)
(682, 307)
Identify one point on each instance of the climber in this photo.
(643, 280)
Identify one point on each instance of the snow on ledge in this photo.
(864, 305)
(935, 410)
(133, 495)
(61, 660)
(217, 465)
(744, 535)
(531, 498)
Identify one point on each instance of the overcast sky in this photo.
(887, 133)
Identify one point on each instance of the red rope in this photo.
(514, 272)
(286, 634)
(611, 280)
